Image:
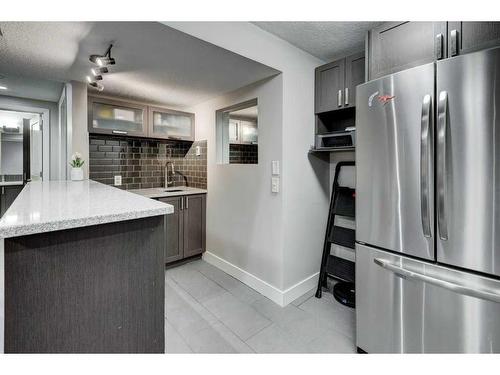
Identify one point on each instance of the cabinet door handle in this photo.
(439, 46)
(346, 94)
(454, 42)
(339, 98)
(182, 203)
(119, 132)
(187, 203)
(3, 190)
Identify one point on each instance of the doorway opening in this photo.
(21, 147)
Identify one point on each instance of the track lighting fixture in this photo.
(102, 62)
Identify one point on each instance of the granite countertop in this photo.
(57, 205)
(11, 183)
(168, 192)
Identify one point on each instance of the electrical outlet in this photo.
(198, 150)
(118, 180)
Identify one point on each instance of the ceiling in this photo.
(250, 112)
(33, 88)
(325, 40)
(154, 63)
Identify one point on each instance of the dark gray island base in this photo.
(83, 270)
(95, 289)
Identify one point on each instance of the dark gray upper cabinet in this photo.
(335, 83)
(396, 46)
(169, 124)
(329, 86)
(354, 75)
(465, 37)
(110, 116)
(7, 196)
(174, 249)
(194, 224)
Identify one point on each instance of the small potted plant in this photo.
(76, 167)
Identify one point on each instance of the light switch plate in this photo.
(118, 180)
(276, 167)
(198, 150)
(275, 184)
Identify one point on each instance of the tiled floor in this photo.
(208, 311)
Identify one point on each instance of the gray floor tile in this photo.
(207, 340)
(275, 339)
(277, 314)
(174, 343)
(331, 342)
(195, 283)
(304, 297)
(334, 315)
(229, 283)
(239, 317)
(186, 318)
(209, 311)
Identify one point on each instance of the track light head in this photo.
(104, 61)
(99, 71)
(97, 86)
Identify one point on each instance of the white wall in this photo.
(304, 181)
(244, 219)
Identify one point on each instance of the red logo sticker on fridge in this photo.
(384, 99)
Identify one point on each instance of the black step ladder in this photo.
(342, 203)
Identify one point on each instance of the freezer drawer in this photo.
(394, 162)
(409, 306)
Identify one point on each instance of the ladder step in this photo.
(342, 236)
(345, 202)
(340, 268)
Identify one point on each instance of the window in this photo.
(238, 134)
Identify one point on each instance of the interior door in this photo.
(26, 150)
(394, 162)
(468, 172)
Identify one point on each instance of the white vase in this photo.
(77, 174)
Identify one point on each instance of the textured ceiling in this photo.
(154, 63)
(325, 40)
(33, 88)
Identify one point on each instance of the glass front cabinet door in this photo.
(109, 116)
(170, 124)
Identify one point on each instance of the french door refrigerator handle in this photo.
(425, 156)
(486, 294)
(441, 164)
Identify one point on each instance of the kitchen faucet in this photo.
(172, 170)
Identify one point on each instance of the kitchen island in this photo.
(83, 270)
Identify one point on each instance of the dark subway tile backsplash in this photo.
(141, 162)
(243, 154)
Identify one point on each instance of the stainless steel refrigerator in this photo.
(428, 208)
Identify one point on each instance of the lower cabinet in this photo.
(185, 229)
(7, 196)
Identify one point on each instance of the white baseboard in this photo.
(281, 297)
